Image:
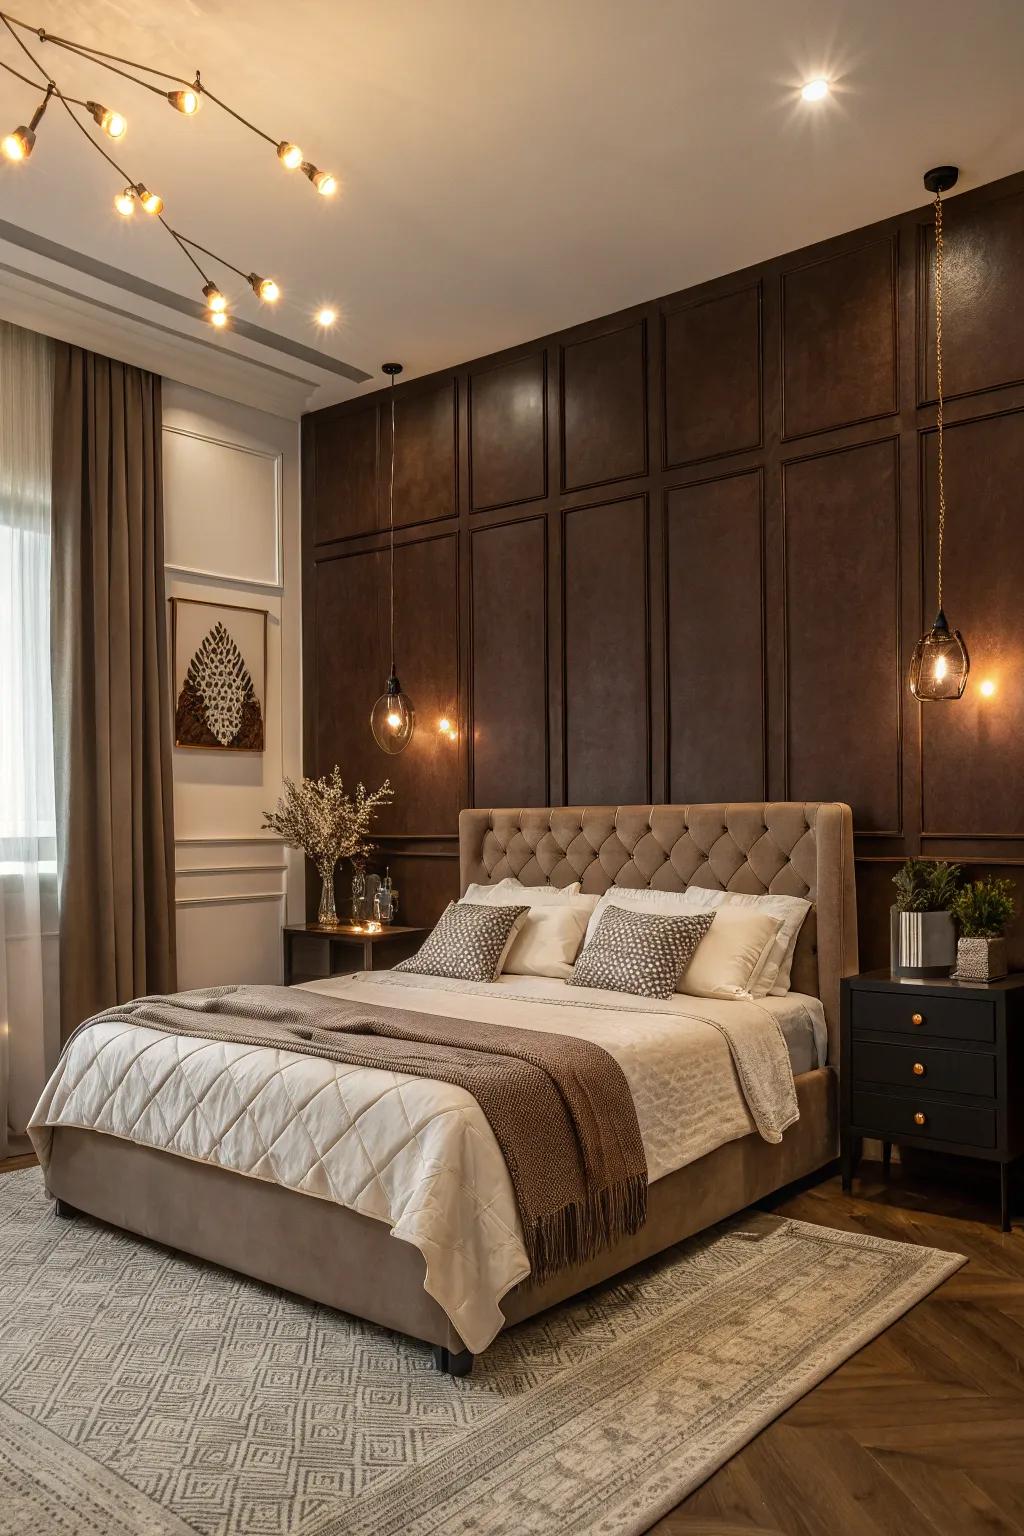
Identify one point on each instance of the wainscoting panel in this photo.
(604, 408)
(341, 496)
(839, 339)
(712, 377)
(971, 759)
(983, 319)
(508, 433)
(715, 694)
(230, 900)
(684, 551)
(842, 631)
(510, 694)
(351, 662)
(607, 720)
(424, 454)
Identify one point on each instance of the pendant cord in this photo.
(938, 371)
(391, 525)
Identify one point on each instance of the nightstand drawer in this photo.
(892, 1116)
(954, 1018)
(925, 1066)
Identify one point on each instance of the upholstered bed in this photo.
(332, 1238)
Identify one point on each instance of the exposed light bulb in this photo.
(215, 300)
(326, 316)
(940, 669)
(394, 721)
(816, 90)
(988, 688)
(264, 288)
(18, 145)
(124, 203)
(149, 200)
(325, 182)
(114, 125)
(290, 155)
(186, 102)
(217, 317)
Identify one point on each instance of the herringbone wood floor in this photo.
(922, 1432)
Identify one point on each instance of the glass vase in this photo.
(327, 917)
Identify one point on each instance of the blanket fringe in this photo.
(581, 1230)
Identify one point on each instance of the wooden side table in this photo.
(312, 953)
(939, 1063)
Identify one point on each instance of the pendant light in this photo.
(940, 663)
(392, 718)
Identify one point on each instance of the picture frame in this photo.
(219, 675)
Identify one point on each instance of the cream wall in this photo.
(231, 519)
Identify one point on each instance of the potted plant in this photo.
(317, 816)
(983, 908)
(922, 932)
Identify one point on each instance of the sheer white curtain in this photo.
(29, 1004)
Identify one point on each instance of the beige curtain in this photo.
(111, 720)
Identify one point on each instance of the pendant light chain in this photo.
(938, 371)
(391, 525)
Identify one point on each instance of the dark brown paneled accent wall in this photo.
(684, 552)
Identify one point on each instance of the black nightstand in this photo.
(312, 953)
(937, 1064)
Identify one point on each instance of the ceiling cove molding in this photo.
(91, 305)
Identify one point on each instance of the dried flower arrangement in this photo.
(318, 816)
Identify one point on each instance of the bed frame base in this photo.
(453, 1362)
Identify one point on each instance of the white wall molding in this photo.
(188, 486)
(230, 899)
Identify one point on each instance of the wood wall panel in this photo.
(842, 631)
(342, 499)
(712, 377)
(597, 619)
(983, 318)
(604, 408)
(607, 748)
(971, 768)
(507, 433)
(510, 696)
(425, 455)
(715, 692)
(351, 667)
(839, 339)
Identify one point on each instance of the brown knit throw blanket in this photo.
(560, 1108)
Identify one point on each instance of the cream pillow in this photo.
(730, 958)
(792, 910)
(550, 938)
(504, 891)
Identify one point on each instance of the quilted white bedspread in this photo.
(416, 1153)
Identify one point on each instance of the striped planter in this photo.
(921, 943)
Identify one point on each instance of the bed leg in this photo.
(65, 1210)
(453, 1362)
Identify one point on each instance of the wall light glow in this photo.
(988, 688)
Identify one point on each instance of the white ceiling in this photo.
(509, 167)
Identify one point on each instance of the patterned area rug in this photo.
(143, 1393)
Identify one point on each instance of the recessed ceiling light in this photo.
(815, 90)
(326, 316)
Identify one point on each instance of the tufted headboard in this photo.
(796, 847)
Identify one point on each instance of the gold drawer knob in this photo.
(919, 1069)
(917, 1018)
(920, 1118)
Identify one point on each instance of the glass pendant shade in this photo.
(393, 719)
(940, 663)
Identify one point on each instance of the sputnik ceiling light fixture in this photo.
(185, 97)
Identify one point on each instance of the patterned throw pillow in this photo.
(469, 943)
(640, 952)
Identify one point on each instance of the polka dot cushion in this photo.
(640, 952)
(469, 943)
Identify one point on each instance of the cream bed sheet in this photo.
(419, 1154)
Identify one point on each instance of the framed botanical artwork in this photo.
(219, 659)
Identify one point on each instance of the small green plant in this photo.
(984, 908)
(926, 885)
